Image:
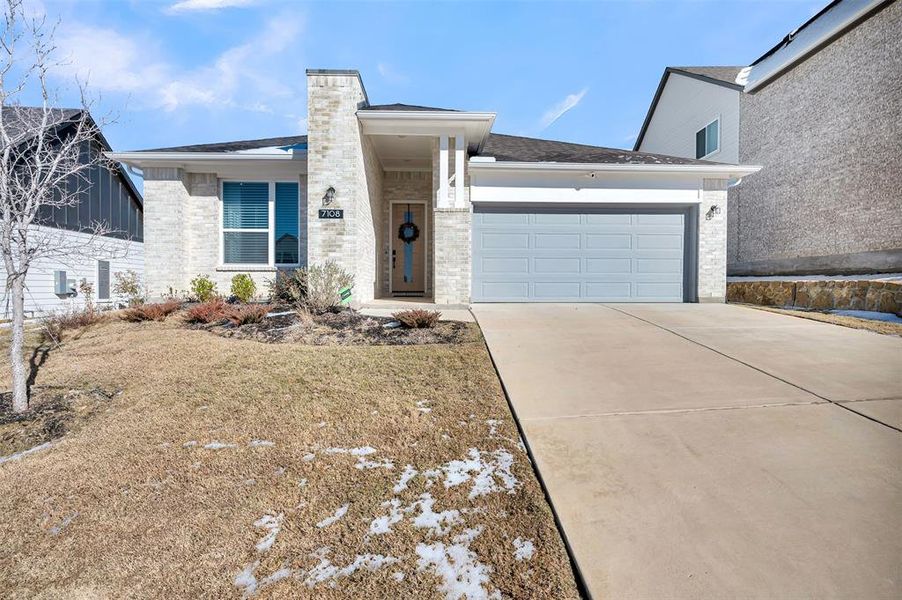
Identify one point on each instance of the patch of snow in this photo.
(218, 445)
(423, 406)
(493, 426)
(321, 424)
(164, 445)
(485, 474)
(381, 525)
(302, 482)
(523, 549)
(247, 581)
(279, 471)
(272, 524)
(308, 457)
(339, 513)
(204, 407)
(462, 575)
(279, 314)
(326, 571)
(24, 453)
(437, 523)
(363, 463)
(250, 482)
(392, 325)
(398, 576)
(869, 314)
(261, 443)
(189, 444)
(408, 474)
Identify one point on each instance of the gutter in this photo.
(136, 157)
(717, 170)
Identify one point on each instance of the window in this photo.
(245, 223)
(250, 234)
(287, 224)
(707, 139)
(103, 280)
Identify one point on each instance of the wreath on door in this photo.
(408, 232)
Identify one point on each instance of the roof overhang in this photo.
(159, 159)
(475, 126)
(817, 32)
(712, 171)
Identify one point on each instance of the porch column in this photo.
(442, 172)
(459, 180)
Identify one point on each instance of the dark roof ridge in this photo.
(234, 146)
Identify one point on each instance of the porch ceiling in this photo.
(404, 152)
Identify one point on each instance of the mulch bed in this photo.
(52, 413)
(344, 328)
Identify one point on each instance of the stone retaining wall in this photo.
(882, 296)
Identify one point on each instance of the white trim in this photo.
(442, 200)
(705, 129)
(459, 178)
(475, 125)
(391, 239)
(716, 170)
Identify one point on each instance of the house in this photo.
(820, 112)
(431, 203)
(107, 196)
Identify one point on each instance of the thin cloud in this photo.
(114, 62)
(184, 6)
(389, 74)
(561, 108)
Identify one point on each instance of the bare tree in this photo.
(47, 155)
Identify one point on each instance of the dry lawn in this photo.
(883, 327)
(229, 468)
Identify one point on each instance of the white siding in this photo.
(685, 106)
(39, 296)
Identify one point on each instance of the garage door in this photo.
(578, 255)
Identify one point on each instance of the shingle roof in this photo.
(20, 120)
(724, 74)
(524, 149)
(291, 140)
(412, 107)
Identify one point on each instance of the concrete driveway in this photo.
(711, 451)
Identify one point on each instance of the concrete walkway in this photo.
(702, 451)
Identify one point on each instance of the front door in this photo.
(408, 249)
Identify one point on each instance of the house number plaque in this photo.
(331, 213)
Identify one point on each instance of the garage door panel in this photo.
(505, 240)
(596, 266)
(557, 265)
(554, 290)
(602, 241)
(569, 241)
(568, 256)
(659, 241)
(505, 265)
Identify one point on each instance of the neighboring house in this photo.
(428, 202)
(108, 196)
(822, 113)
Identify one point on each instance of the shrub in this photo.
(315, 288)
(288, 286)
(128, 284)
(203, 288)
(418, 318)
(53, 325)
(243, 287)
(87, 290)
(151, 312)
(247, 313)
(207, 312)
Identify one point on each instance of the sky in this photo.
(174, 72)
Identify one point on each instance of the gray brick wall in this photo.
(829, 135)
(165, 196)
(452, 256)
